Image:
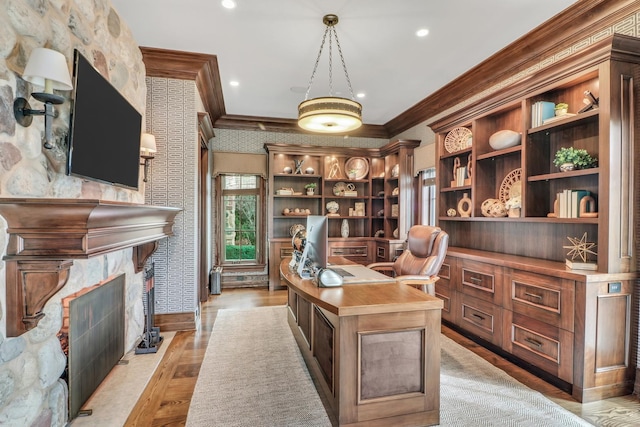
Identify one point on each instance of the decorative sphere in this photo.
(309, 171)
(287, 169)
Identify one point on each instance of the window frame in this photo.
(260, 191)
(427, 196)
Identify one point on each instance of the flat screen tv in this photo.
(105, 129)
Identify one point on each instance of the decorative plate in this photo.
(359, 165)
(511, 185)
(457, 139)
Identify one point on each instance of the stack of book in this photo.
(541, 111)
(569, 203)
(578, 265)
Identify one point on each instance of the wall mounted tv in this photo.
(104, 141)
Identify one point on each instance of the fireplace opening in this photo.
(92, 337)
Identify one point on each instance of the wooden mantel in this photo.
(46, 235)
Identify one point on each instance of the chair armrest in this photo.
(416, 279)
(426, 284)
(381, 266)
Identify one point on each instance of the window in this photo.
(241, 216)
(427, 197)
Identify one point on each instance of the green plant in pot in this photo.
(573, 158)
(311, 187)
(561, 108)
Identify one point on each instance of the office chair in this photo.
(420, 262)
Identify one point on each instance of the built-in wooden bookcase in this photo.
(604, 132)
(505, 279)
(376, 202)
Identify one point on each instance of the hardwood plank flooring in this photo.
(165, 401)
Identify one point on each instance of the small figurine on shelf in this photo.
(513, 206)
(580, 248)
(298, 164)
(334, 169)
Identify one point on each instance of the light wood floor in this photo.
(165, 401)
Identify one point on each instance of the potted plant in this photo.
(561, 108)
(573, 158)
(311, 188)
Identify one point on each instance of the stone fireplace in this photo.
(56, 248)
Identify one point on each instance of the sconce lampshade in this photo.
(147, 144)
(48, 68)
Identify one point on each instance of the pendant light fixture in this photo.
(330, 114)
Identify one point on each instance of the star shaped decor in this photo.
(580, 248)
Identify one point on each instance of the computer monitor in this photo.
(316, 248)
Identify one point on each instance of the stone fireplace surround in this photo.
(45, 237)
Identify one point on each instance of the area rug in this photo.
(254, 375)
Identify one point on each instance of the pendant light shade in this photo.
(330, 114)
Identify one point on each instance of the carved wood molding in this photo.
(200, 67)
(46, 235)
(30, 284)
(141, 254)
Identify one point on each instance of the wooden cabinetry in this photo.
(373, 189)
(608, 132)
(510, 286)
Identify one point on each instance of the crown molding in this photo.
(200, 67)
(272, 124)
(553, 36)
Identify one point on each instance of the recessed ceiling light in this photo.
(229, 4)
(422, 32)
(234, 83)
(361, 95)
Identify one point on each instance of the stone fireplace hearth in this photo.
(92, 241)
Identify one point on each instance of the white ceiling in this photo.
(270, 47)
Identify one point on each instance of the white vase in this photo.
(344, 229)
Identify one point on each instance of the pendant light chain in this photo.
(329, 114)
(344, 65)
(315, 67)
(331, 30)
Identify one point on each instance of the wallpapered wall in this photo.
(172, 117)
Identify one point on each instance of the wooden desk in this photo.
(374, 347)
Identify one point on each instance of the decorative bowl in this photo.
(504, 139)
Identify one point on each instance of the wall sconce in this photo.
(47, 68)
(147, 148)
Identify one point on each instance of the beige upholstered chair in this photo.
(420, 262)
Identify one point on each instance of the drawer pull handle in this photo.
(477, 316)
(533, 295)
(533, 342)
(475, 279)
(338, 252)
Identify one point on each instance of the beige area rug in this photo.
(254, 375)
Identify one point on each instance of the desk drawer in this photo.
(481, 280)
(545, 298)
(546, 346)
(446, 273)
(481, 318)
(448, 298)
